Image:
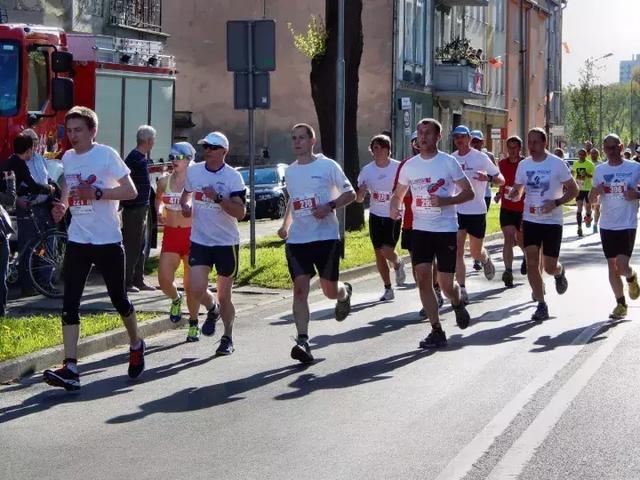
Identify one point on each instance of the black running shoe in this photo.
(343, 307)
(523, 267)
(435, 339)
(225, 347)
(541, 313)
(462, 316)
(561, 282)
(136, 361)
(580, 231)
(507, 278)
(302, 352)
(477, 266)
(62, 377)
(209, 325)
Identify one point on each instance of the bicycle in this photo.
(45, 257)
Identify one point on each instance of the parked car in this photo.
(271, 191)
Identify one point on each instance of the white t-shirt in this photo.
(471, 163)
(542, 181)
(211, 225)
(434, 176)
(310, 186)
(379, 183)
(618, 213)
(94, 221)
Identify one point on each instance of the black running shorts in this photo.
(223, 257)
(583, 196)
(384, 231)
(306, 258)
(425, 246)
(617, 242)
(549, 237)
(475, 225)
(405, 240)
(509, 217)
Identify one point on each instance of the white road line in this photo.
(517, 457)
(463, 462)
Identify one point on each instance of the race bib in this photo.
(538, 211)
(424, 206)
(77, 205)
(171, 201)
(381, 197)
(303, 207)
(200, 200)
(616, 189)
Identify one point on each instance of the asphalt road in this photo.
(508, 398)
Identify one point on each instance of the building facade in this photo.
(627, 67)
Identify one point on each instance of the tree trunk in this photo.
(323, 92)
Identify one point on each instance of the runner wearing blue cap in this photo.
(472, 215)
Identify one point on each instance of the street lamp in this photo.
(600, 115)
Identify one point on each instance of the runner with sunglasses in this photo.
(176, 237)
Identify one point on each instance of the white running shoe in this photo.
(388, 295)
(401, 275)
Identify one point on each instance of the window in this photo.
(417, 41)
(409, 38)
(9, 56)
(38, 81)
(420, 32)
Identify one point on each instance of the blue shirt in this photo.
(137, 163)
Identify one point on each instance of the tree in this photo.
(582, 116)
(323, 87)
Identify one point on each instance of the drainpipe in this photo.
(523, 73)
(394, 99)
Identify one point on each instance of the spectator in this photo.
(135, 212)
(7, 199)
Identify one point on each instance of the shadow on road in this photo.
(564, 339)
(492, 336)
(327, 313)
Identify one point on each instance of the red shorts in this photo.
(176, 240)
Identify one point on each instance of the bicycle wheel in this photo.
(45, 262)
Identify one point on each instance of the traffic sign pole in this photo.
(252, 153)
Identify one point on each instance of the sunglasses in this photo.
(206, 146)
(179, 157)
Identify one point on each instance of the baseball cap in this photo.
(477, 134)
(183, 148)
(461, 130)
(414, 135)
(628, 150)
(215, 138)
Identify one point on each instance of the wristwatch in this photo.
(218, 198)
(332, 204)
(99, 193)
(490, 178)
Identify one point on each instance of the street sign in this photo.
(263, 45)
(557, 130)
(406, 103)
(496, 133)
(261, 91)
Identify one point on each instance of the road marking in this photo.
(517, 457)
(463, 462)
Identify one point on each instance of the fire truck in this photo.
(128, 82)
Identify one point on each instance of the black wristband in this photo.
(332, 204)
(218, 198)
(99, 193)
(557, 202)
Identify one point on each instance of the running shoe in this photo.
(175, 312)
(580, 231)
(302, 352)
(477, 266)
(541, 313)
(507, 278)
(435, 339)
(634, 288)
(489, 269)
(401, 275)
(343, 307)
(619, 312)
(209, 325)
(523, 267)
(587, 221)
(388, 295)
(422, 313)
(225, 347)
(561, 282)
(193, 333)
(136, 361)
(439, 296)
(462, 316)
(464, 296)
(62, 377)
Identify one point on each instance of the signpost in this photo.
(251, 55)
(340, 87)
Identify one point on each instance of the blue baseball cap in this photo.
(461, 130)
(477, 134)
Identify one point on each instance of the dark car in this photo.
(271, 191)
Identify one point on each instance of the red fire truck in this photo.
(46, 71)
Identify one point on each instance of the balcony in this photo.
(465, 3)
(137, 14)
(455, 81)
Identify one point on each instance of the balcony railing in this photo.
(465, 3)
(458, 81)
(143, 14)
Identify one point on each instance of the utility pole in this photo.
(340, 98)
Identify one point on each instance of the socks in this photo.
(579, 219)
(631, 277)
(71, 364)
(137, 345)
(387, 286)
(621, 301)
(303, 337)
(193, 323)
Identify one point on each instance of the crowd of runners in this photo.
(433, 201)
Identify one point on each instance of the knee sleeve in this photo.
(124, 308)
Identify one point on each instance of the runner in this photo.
(511, 212)
(433, 176)
(377, 178)
(472, 214)
(477, 143)
(95, 179)
(407, 223)
(317, 187)
(595, 159)
(616, 183)
(548, 184)
(176, 237)
(218, 194)
(583, 172)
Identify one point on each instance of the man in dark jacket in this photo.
(134, 212)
